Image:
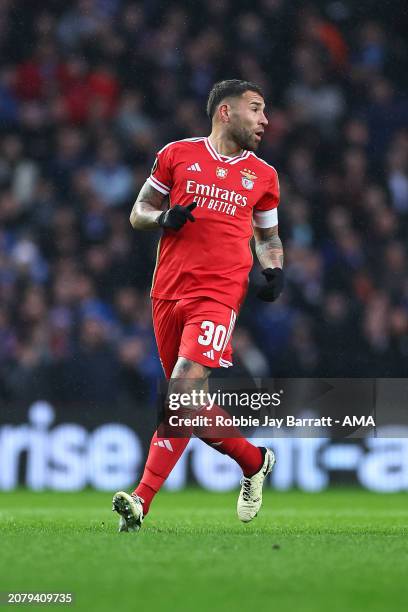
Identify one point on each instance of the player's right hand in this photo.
(176, 217)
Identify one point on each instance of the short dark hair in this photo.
(226, 89)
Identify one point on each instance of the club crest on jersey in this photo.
(221, 172)
(248, 178)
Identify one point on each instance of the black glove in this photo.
(274, 285)
(176, 217)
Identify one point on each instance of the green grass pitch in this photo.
(343, 550)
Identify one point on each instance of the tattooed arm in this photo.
(148, 207)
(268, 247)
(269, 250)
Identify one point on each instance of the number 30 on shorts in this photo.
(214, 335)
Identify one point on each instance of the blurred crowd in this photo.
(90, 90)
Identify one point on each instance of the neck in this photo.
(223, 144)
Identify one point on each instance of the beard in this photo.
(244, 138)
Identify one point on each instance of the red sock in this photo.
(165, 452)
(163, 456)
(248, 456)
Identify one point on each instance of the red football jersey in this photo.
(211, 257)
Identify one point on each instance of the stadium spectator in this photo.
(89, 93)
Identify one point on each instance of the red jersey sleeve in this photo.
(161, 176)
(266, 209)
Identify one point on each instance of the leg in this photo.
(189, 376)
(206, 340)
(165, 451)
(181, 329)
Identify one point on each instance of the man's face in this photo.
(247, 120)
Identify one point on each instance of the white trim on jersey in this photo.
(225, 159)
(211, 150)
(195, 139)
(159, 182)
(265, 218)
(235, 160)
(157, 185)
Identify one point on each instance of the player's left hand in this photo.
(272, 289)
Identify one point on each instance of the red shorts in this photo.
(198, 329)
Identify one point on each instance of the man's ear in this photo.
(224, 112)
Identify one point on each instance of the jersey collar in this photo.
(224, 159)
